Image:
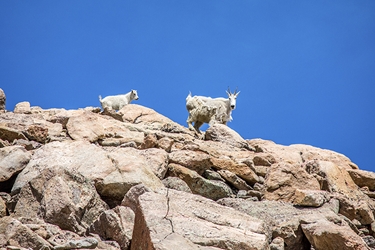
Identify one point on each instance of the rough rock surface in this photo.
(60, 197)
(135, 179)
(2, 100)
(12, 160)
(171, 213)
(113, 172)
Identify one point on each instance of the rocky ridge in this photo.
(134, 179)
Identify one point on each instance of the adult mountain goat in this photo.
(209, 110)
(117, 102)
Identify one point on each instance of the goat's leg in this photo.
(190, 123)
(197, 125)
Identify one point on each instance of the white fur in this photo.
(117, 102)
(209, 110)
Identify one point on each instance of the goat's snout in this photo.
(233, 106)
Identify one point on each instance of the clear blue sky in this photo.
(305, 69)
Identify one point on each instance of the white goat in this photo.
(199, 112)
(117, 102)
(209, 110)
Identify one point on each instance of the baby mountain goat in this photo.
(117, 102)
(209, 110)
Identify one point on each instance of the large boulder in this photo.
(354, 204)
(137, 114)
(12, 160)
(284, 179)
(238, 168)
(211, 189)
(194, 160)
(299, 153)
(172, 218)
(22, 108)
(157, 159)
(363, 178)
(94, 127)
(14, 233)
(115, 224)
(324, 234)
(10, 134)
(113, 172)
(60, 197)
(223, 133)
(285, 220)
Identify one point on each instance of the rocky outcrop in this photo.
(134, 179)
(2, 100)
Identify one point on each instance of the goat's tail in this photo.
(100, 98)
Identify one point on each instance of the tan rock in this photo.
(114, 172)
(263, 159)
(240, 169)
(284, 179)
(22, 108)
(15, 234)
(284, 219)
(150, 119)
(337, 178)
(310, 198)
(62, 198)
(157, 160)
(131, 197)
(277, 244)
(299, 153)
(194, 160)
(324, 234)
(176, 184)
(134, 113)
(37, 133)
(261, 170)
(128, 168)
(363, 178)
(93, 127)
(115, 224)
(10, 134)
(61, 116)
(28, 145)
(12, 160)
(198, 185)
(353, 203)
(224, 134)
(171, 218)
(19, 125)
(233, 179)
(165, 143)
(150, 141)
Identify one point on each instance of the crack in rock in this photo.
(166, 215)
(135, 120)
